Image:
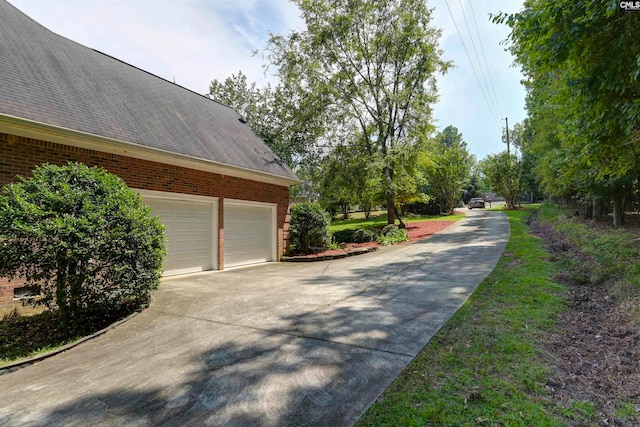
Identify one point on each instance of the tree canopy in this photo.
(288, 123)
(447, 164)
(372, 64)
(581, 61)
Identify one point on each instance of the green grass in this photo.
(379, 219)
(612, 252)
(484, 366)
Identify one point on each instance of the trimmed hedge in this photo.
(84, 243)
(309, 228)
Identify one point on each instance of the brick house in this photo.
(221, 192)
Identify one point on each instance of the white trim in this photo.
(169, 195)
(42, 131)
(250, 203)
(273, 207)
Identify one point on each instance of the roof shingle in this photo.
(49, 79)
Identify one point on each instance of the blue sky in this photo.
(193, 42)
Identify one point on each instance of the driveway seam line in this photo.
(275, 331)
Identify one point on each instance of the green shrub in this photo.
(363, 235)
(309, 228)
(391, 235)
(82, 240)
(343, 236)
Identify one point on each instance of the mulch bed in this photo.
(416, 231)
(595, 352)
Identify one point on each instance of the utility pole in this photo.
(506, 119)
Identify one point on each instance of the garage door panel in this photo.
(188, 228)
(248, 234)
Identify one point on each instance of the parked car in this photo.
(476, 203)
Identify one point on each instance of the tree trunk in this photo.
(391, 211)
(402, 224)
(367, 211)
(597, 209)
(617, 211)
(345, 211)
(391, 207)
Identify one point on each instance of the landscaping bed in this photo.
(415, 230)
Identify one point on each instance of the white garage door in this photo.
(249, 234)
(188, 226)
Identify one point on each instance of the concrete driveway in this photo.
(272, 345)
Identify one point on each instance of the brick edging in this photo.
(311, 258)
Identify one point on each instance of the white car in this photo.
(476, 203)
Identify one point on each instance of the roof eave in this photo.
(37, 130)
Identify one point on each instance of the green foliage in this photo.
(391, 234)
(287, 122)
(309, 228)
(607, 256)
(343, 236)
(349, 178)
(422, 208)
(582, 66)
(373, 64)
(81, 239)
(363, 235)
(447, 165)
(360, 235)
(503, 173)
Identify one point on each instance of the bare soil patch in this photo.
(595, 351)
(420, 230)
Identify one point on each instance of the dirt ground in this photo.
(595, 352)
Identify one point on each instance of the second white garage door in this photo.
(249, 234)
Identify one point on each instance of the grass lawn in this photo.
(379, 219)
(484, 367)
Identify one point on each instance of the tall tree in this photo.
(447, 164)
(503, 173)
(373, 63)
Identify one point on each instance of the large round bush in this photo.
(81, 239)
(309, 228)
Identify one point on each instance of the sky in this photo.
(192, 42)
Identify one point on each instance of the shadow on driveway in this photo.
(272, 345)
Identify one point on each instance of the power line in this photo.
(475, 51)
(493, 113)
(486, 63)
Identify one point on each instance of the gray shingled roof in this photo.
(50, 79)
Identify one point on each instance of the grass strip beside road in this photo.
(484, 367)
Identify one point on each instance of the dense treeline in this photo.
(581, 62)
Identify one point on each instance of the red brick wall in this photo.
(18, 156)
